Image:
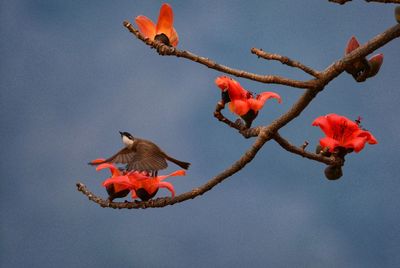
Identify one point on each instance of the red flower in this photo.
(114, 190)
(241, 101)
(362, 69)
(164, 31)
(140, 184)
(342, 132)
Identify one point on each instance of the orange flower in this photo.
(164, 31)
(241, 101)
(140, 184)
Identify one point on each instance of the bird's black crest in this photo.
(127, 134)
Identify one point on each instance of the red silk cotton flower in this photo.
(342, 132)
(362, 69)
(163, 31)
(241, 101)
(140, 184)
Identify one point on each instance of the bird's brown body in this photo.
(142, 155)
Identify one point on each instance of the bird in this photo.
(141, 155)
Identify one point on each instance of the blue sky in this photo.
(72, 77)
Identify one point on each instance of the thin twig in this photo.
(238, 125)
(172, 51)
(217, 114)
(284, 60)
(304, 145)
(302, 152)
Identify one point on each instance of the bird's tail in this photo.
(184, 165)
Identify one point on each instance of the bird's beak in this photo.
(120, 133)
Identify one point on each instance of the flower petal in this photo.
(370, 138)
(174, 38)
(323, 123)
(235, 90)
(137, 176)
(239, 107)
(343, 128)
(165, 21)
(352, 45)
(97, 161)
(180, 172)
(329, 142)
(133, 194)
(222, 82)
(113, 169)
(123, 182)
(257, 103)
(120, 187)
(146, 26)
(168, 186)
(356, 143)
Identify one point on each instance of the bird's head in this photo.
(127, 138)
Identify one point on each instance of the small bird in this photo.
(141, 155)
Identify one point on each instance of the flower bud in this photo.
(375, 63)
(351, 45)
(112, 194)
(333, 172)
(163, 39)
(144, 195)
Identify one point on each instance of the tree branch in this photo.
(238, 124)
(223, 119)
(165, 50)
(339, 66)
(166, 201)
(302, 152)
(341, 2)
(284, 60)
(263, 134)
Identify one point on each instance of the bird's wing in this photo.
(147, 157)
(124, 156)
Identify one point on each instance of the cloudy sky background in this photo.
(72, 76)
